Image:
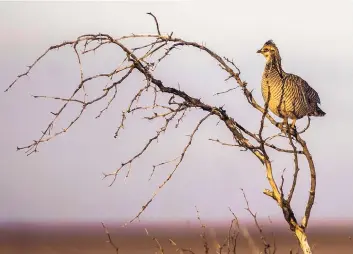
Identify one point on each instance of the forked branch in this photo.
(144, 59)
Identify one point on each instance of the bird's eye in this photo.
(265, 50)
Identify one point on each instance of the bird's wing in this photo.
(310, 94)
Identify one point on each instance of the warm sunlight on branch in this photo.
(172, 106)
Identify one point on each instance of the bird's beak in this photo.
(259, 51)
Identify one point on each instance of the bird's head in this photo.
(269, 50)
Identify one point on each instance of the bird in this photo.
(287, 95)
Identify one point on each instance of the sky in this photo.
(63, 182)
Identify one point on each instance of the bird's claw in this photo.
(286, 128)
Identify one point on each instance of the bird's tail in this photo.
(318, 112)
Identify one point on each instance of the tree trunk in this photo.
(303, 240)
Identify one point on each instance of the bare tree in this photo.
(172, 105)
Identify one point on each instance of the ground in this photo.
(91, 238)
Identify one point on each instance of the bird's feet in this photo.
(288, 128)
(293, 129)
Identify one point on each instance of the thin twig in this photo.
(110, 241)
(254, 215)
(159, 246)
(156, 21)
(203, 234)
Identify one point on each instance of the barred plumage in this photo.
(290, 95)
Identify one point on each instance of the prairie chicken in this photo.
(290, 95)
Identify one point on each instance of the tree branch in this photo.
(143, 60)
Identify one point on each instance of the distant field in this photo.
(89, 239)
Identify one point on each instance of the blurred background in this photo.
(62, 184)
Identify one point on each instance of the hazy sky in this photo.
(63, 182)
